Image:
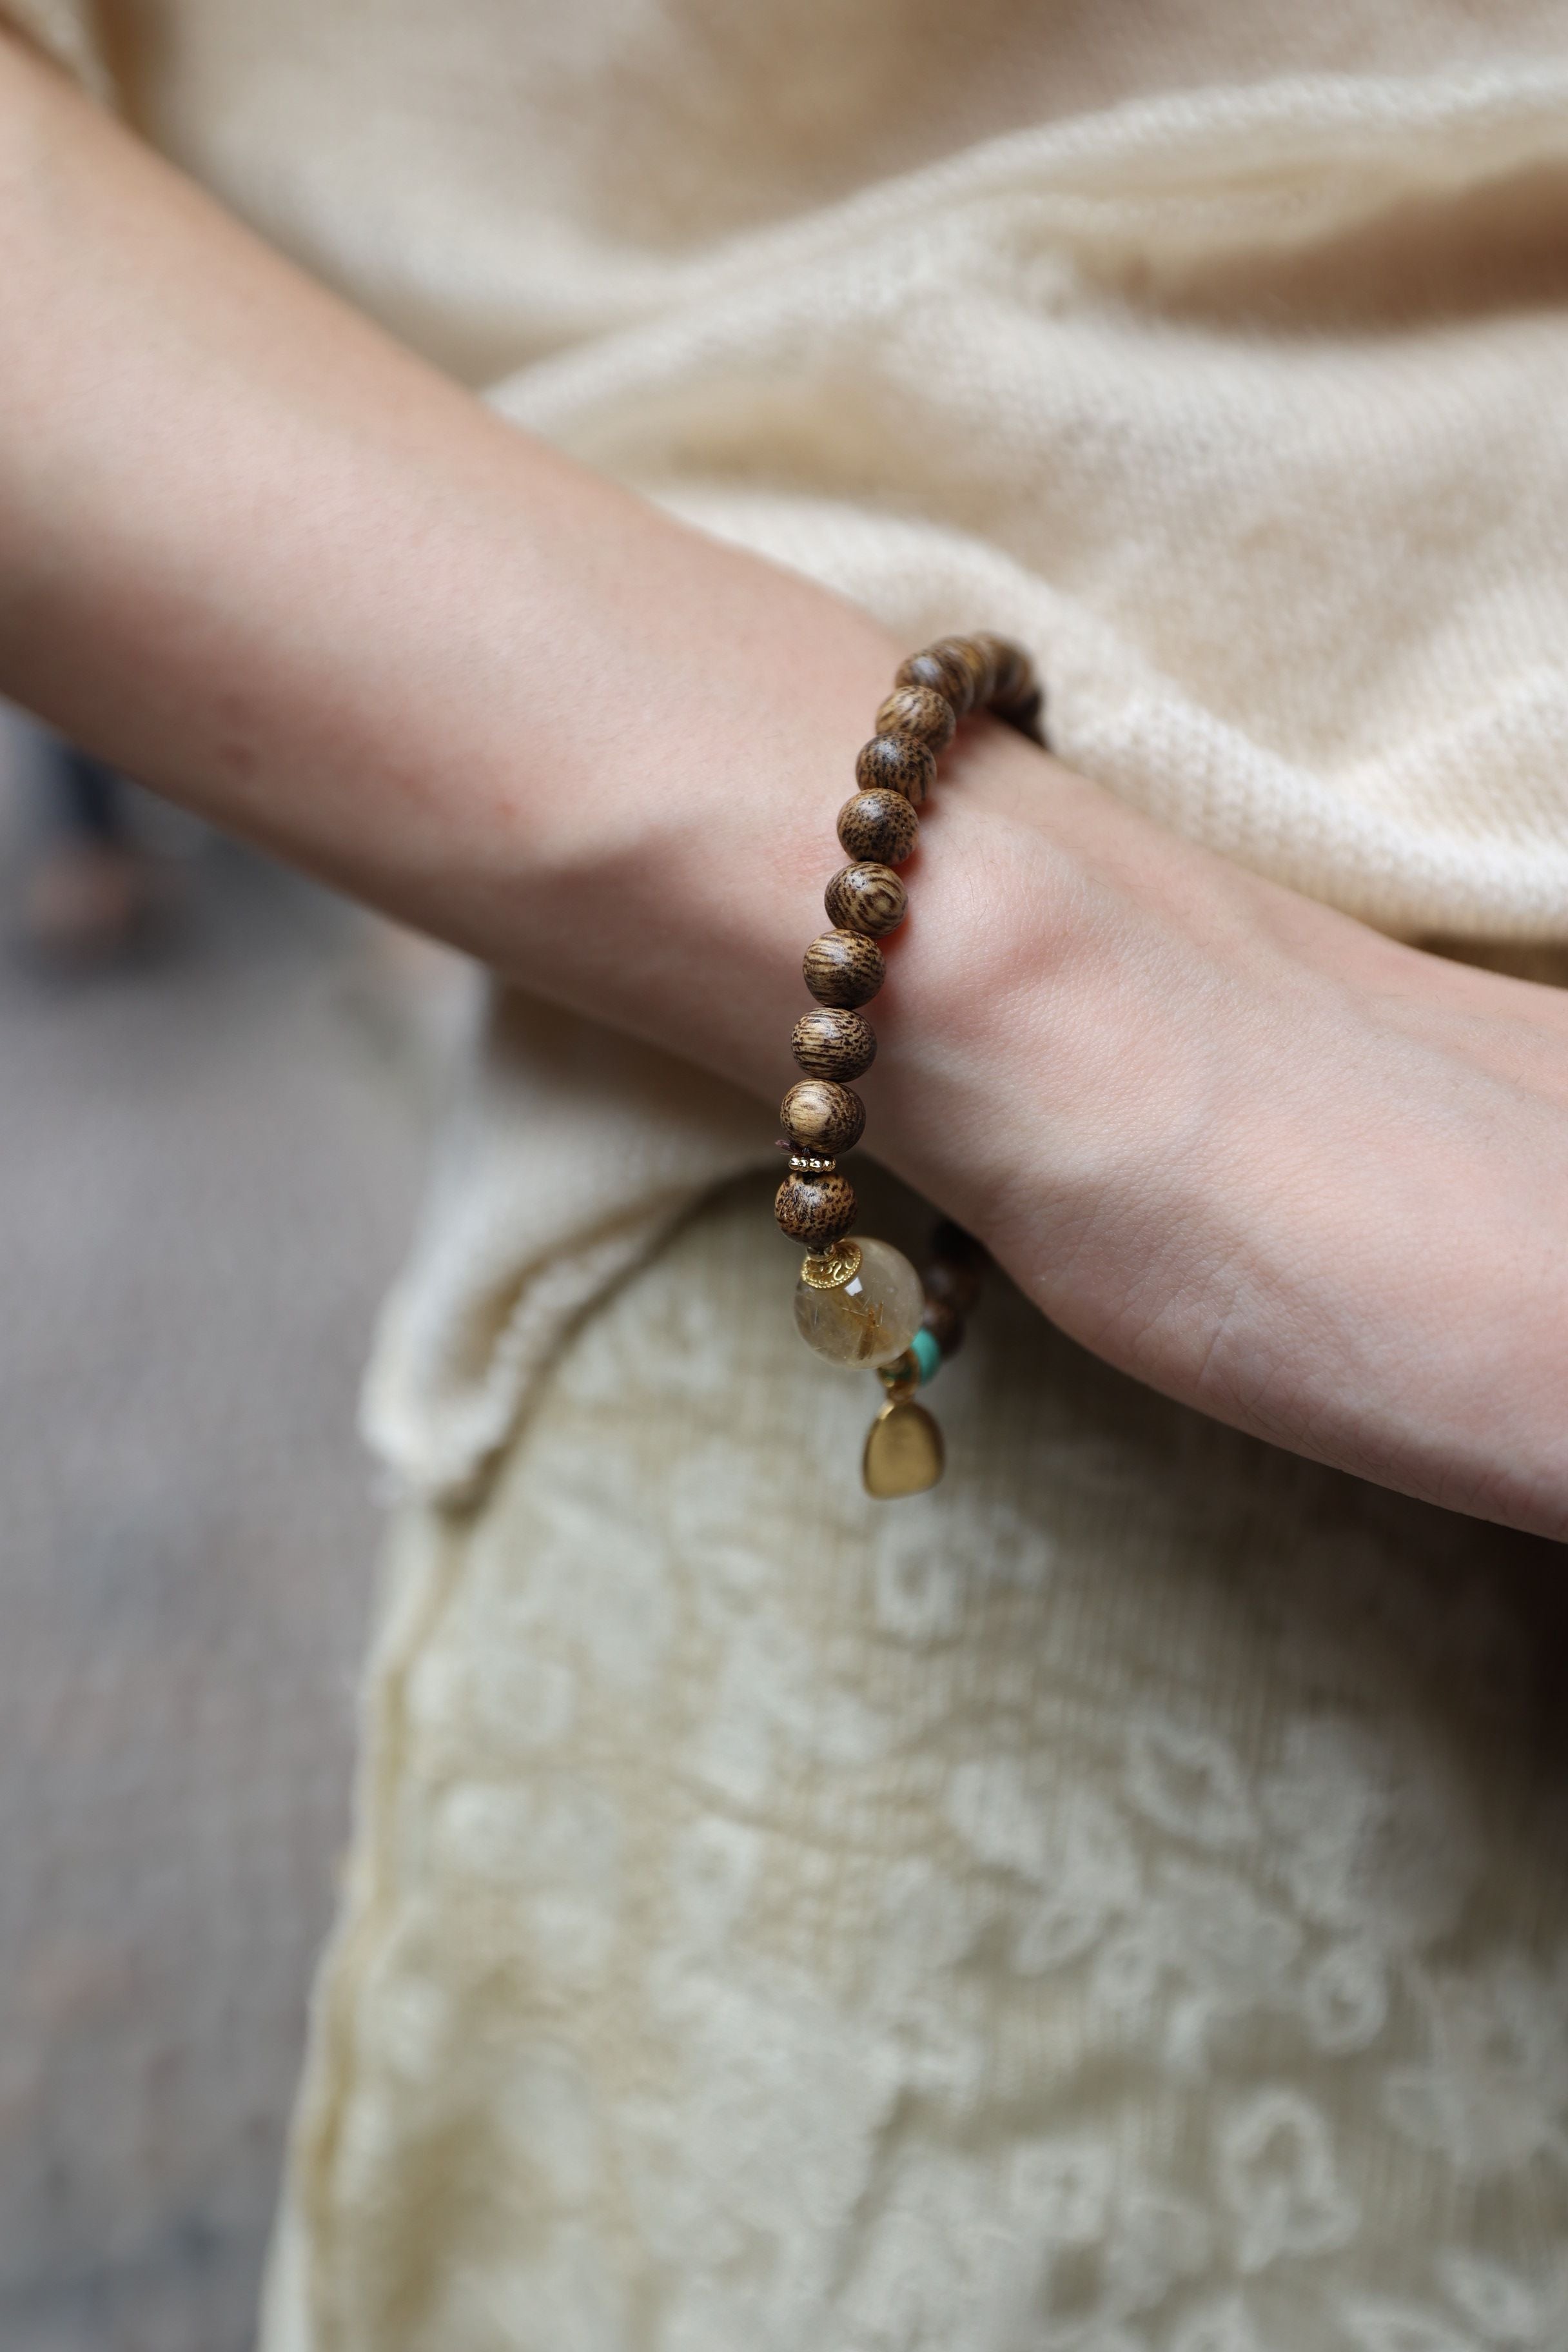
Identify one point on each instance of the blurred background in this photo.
(216, 1085)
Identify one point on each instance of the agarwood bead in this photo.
(1012, 678)
(967, 659)
(938, 672)
(950, 1241)
(952, 1286)
(898, 764)
(957, 1263)
(880, 826)
(844, 968)
(865, 897)
(815, 1210)
(916, 710)
(833, 1043)
(1029, 717)
(818, 1116)
(945, 1324)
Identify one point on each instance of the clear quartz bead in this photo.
(870, 1318)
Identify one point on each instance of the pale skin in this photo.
(1305, 1178)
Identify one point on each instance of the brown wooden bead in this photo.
(945, 1324)
(844, 968)
(833, 1043)
(815, 1210)
(865, 897)
(950, 1241)
(880, 826)
(957, 1263)
(1029, 717)
(973, 656)
(916, 710)
(817, 1116)
(938, 672)
(957, 1287)
(966, 663)
(898, 763)
(1013, 680)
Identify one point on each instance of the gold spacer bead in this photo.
(830, 1269)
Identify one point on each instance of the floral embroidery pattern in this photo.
(1111, 1905)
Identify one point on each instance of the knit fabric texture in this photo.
(1114, 1904)
(1214, 352)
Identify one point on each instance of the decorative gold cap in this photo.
(830, 1269)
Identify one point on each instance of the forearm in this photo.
(280, 570)
(1297, 1175)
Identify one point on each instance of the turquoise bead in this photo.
(927, 1355)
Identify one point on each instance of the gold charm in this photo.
(831, 1269)
(903, 1452)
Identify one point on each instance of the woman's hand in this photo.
(1303, 1178)
(267, 560)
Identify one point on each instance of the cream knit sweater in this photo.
(1217, 351)
(1116, 1904)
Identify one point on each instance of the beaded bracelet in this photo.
(862, 1302)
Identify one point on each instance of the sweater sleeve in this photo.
(69, 32)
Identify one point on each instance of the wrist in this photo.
(999, 1004)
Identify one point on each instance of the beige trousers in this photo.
(1116, 1903)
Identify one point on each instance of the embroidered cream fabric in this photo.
(1115, 1903)
(1118, 1903)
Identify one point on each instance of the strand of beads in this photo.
(860, 1301)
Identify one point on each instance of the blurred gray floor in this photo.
(207, 1172)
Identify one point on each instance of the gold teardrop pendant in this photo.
(903, 1452)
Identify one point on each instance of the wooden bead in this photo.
(865, 897)
(897, 763)
(960, 669)
(880, 826)
(1013, 680)
(815, 1210)
(1007, 660)
(950, 1241)
(817, 1116)
(916, 710)
(972, 656)
(945, 1324)
(1029, 717)
(952, 1286)
(833, 1043)
(844, 968)
(938, 672)
(957, 1263)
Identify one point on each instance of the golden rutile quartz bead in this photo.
(816, 1208)
(879, 825)
(844, 968)
(865, 897)
(916, 710)
(818, 1116)
(869, 1318)
(833, 1043)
